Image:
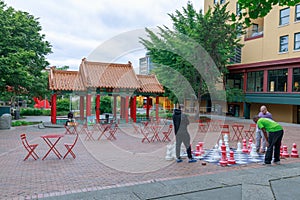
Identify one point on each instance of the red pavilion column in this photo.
(98, 108)
(53, 108)
(133, 108)
(147, 107)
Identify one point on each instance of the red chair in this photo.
(167, 133)
(250, 132)
(224, 130)
(112, 132)
(70, 146)
(29, 147)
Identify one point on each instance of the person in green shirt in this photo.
(273, 140)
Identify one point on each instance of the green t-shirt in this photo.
(269, 125)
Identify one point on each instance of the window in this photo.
(297, 41)
(297, 12)
(284, 43)
(255, 81)
(254, 28)
(235, 81)
(277, 80)
(296, 80)
(284, 16)
(222, 1)
(236, 58)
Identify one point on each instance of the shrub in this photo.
(63, 105)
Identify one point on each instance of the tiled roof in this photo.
(65, 80)
(149, 84)
(103, 75)
(108, 75)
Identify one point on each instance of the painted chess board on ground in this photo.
(240, 158)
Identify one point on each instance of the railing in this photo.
(254, 33)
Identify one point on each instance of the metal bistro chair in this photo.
(70, 146)
(167, 134)
(29, 147)
(250, 132)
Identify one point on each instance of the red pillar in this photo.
(156, 108)
(290, 80)
(133, 115)
(126, 108)
(98, 108)
(88, 105)
(53, 108)
(81, 107)
(147, 107)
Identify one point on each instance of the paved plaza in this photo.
(126, 168)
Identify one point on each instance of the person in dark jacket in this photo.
(181, 121)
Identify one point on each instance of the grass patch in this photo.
(23, 123)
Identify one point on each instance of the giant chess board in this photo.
(240, 158)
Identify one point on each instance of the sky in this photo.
(99, 30)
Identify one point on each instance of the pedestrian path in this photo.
(88, 177)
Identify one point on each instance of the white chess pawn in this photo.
(169, 152)
(239, 148)
(216, 155)
(253, 152)
(220, 144)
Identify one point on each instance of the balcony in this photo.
(253, 33)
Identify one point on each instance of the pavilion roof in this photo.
(108, 75)
(65, 80)
(103, 75)
(149, 84)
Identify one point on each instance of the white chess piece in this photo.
(239, 147)
(220, 144)
(226, 143)
(169, 152)
(253, 152)
(216, 154)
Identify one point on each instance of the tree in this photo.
(195, 54)
(22, 53)
(260, 8)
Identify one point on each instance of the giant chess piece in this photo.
(226, 143)
(285, 152)
(231, 159)
(224, 161)
(245, 149)
(239, 148)
(294, 153)
(169, 152)
(220, 145)
(253, 152)
(201, 149)
(216, 154)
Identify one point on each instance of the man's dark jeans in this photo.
(274, 143)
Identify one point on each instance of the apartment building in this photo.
(267, 67)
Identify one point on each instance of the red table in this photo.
(237, 130)
(51, 144)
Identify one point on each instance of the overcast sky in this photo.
(76, 28)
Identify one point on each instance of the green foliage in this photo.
(253, 9)
(105, 104)
(195, 54)
(63, 104)
(23, 123)
(235, 95)
(22, 53)
(34, 112)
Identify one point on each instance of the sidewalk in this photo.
(273, 182)
(99, 173)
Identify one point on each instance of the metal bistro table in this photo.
(52, 144)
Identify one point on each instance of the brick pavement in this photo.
(53, 177)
